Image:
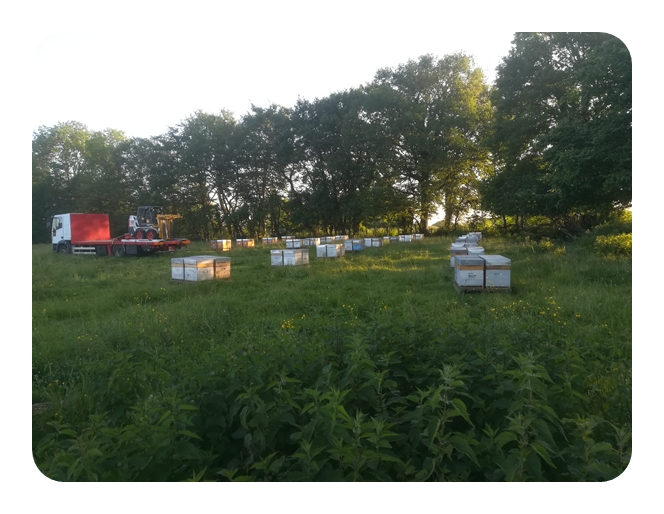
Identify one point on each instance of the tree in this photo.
(434, 112)
(337, 147)
(562, 133)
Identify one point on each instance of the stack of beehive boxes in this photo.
(200, 267)
(294, 257)
(220, 244)
(476, 271)
(294, 243)
(270, 240)
(331, 250)
(245, 243)
(354, 245)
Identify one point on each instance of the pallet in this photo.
(477, 289)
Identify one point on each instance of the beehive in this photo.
(294, 257)
(497, 271)
(377, 242)
(475, 250)
(405, 238)
(456, 250)
(270, 240)
(312, 241)
(294, 243)
(386, 240)
(330, 250)
(327, 239)
(354, 245)
(220, 244)
(394, 239)
(418, 236)
(468, 272)
(245, 243)
(367, 242)
(340, 238)
(177, 268)
(200, 267)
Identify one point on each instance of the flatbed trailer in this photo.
(89, 234)
(125, 245)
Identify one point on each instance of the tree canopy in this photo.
(551, 137)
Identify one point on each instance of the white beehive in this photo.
(326, 239)
(377, 242)
(330, 250)
(394, 239)
(177, 268)
(340, 238)
(497, 272)
(277, 257)
(198, 268)
(245, 243)
(270, 240)
(294, 243)
(478, 235)
(354, 245)
(312, 241)
(418, 236)
(367, 242)
(294, 257)
(405, 238)
(297, 257)
(468, 272)
(454, 251)
(475, 250)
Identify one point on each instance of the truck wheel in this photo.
(118, 250)
(63, 249)
(152, 234)
(140, 233)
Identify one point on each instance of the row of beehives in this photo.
(208, 267)
(476, 271)
(293, 242)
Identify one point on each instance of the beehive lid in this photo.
(496, 260)
(468, 260)
(177, 260)
(475, 249)
(198, 258)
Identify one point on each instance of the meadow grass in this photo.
(109, 334)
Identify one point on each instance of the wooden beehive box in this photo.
(354, 245)
(245, 243)
(312, 241)
(377, 242)
(457, 250)
(332, 250)
(468, 273)
(293, 257)
(270, 240)
(497, 272)
(177, 268)
(340, 238)
(405, 238)
(220, 244)
(294, 243)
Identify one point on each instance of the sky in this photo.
(141, 66)
(142, 81)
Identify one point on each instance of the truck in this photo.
(89, 234)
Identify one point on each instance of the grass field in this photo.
(368, 367)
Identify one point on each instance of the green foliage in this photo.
(620, 244)
(562, 133)
(366, 368)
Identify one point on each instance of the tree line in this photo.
(551, 137)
